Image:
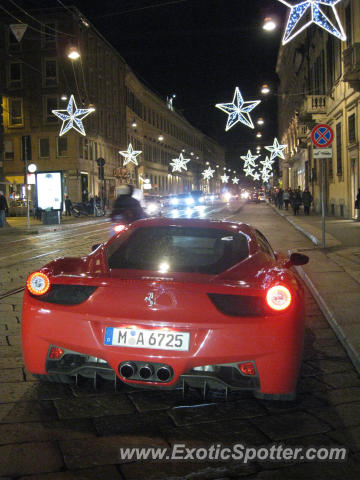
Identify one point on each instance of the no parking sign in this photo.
(322, 135)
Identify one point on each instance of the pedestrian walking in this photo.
(280, 198)
(4, 209)
(297, 201)
(286, 198)
(68, 205)
(307, 200)
(357, 205)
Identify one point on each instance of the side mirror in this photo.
(94, 247)
(297, 259)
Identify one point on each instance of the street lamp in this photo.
(73, 53)
(265, 89)
(160, 138)
(269, 24)
(63, 97)
(260, 121)
(259, 135)
(134, 124)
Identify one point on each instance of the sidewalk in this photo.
(333, 275)
(18, 225)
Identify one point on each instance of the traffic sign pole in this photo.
(322, 136)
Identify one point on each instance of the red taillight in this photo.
(278, 297)
(119, 228)
(247, 368)
(38, 283)
(56, 353)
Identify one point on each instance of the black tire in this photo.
(55, 378)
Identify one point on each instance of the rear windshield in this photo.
(179, 249)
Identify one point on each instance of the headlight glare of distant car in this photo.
(152, 207)
(38, 283)
(189, 201)
(278, 298)
(174, 201)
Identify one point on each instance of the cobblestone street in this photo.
(61, 432)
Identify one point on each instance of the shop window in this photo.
(44, 148)
(15, 75)
(62, 146)
(50, 72)
(15, 112)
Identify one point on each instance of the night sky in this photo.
(200, 50)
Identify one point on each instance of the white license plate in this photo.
(145, 338)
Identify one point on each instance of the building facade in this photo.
(320, 83)
(162, 134)
(36, 77)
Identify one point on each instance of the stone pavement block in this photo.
(3, 341)
(342, 380)
(228, 432)
(46, 431)
(134, 424)
(332, 365)
(316, 322)
(290, 425)
(6, 307)
(13, 351)
(314, 470)
(11, 375)
(27, 412)
(340, 395)
(186, 470)
(29, 377)
(216, 412)
(28, 391)
(349, 437)
(312, 384)
(14, 339)
(86, 453)
(146, 401)
(95, 473)
(301, 402)
(12, 362)
(30, 458)
(101, 406)
(339, 416)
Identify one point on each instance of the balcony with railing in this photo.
(351, 57)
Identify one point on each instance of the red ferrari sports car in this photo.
(168, 303)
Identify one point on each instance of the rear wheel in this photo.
(56, 378)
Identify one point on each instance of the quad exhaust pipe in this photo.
(147, 371)
(128, 369)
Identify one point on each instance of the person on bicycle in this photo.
(126, 207)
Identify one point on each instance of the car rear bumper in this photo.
(274, 344)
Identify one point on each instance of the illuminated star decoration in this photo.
(265, 174)
(267, 163)
(225, 178)
(238, 110)
(72, 117)
(276, 150)
(256, 176)
(235, 180)
(178, 163)
(317, 16)
(248, 171)
(130, 155)
(208, 173)
(249, 159)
